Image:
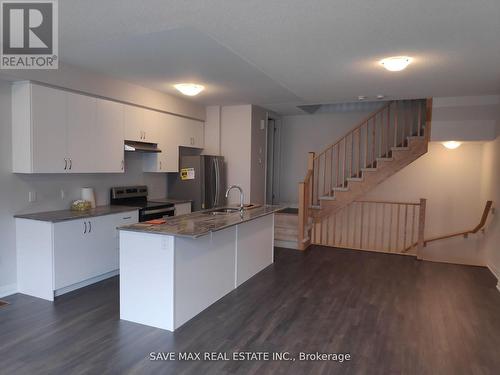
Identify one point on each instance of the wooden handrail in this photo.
(477, 228)
(385, 106)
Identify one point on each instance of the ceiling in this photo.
(285, 53)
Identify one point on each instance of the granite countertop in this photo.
(170, 200)
(65, 215)
(198, 223)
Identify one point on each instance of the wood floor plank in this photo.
(392, 313)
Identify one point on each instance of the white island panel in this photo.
(255, 247)
(147, 279)
(204, 272)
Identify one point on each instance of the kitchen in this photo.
(77, 247)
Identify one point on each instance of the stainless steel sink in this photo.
(222, 211)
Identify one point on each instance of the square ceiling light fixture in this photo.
(189, 89)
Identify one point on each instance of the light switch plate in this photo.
(63, 194)
(262, 124)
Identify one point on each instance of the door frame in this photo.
(276, 159)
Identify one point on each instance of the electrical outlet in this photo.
(262, 124)
(32, 196)
(63, 194)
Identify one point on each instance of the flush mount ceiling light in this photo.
(189, 89)
(395, 63)
(452, 145)
(361, 97)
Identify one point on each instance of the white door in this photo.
(49, 108)
(81, 132)
(108, 148)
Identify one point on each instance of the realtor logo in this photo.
(29, 34)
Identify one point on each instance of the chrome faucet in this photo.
(242, 196)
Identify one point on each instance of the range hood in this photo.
(133, 146)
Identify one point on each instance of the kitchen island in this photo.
(171, 272)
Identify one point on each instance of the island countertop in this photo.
(200, 223)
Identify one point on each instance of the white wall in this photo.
(450, 180)
(235, 141)
(212, 130)
(491, 191)
(468, 118)
(14, 188)
(304, 133)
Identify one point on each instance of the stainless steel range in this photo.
(137, 196)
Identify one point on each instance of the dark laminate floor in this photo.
(393, 314)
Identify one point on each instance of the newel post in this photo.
(421, 226)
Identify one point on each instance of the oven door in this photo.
(146, 214)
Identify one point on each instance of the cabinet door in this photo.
(152, 126)
(82, 133)
(71, 259)
(48, 116)
(159, 162)
(133, 122)
(108, 148)
(190, 132)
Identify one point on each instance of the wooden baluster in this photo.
(397, 226)
(421, 225)
(344, 162)
(382, 235)
(419, 125)
(396, 105)
(405, 226)
(338, 165)
(373, 145)
(352, 153)
(359, 153)
(413, 216)
(381, 137)
(391, 206)
(366, 144)
(324, 174)
(361, 226)
(331, 173)
(388, 130)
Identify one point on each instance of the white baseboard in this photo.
(7, 290)
(85, 283)
(286, 244)
(495, 273)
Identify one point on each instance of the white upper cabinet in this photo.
(108, 149)
(57, 131)
(81, 133)
(48, 125)
(190, 132)
(134, 120)
(141, 125)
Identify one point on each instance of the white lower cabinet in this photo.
(78, 253)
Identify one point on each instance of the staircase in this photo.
(386, 141)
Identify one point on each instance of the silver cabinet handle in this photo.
(70, 163)
(160, 165)
(123, 164)
(65, 163)
(127, 218)
(85, 231)
(90, 226)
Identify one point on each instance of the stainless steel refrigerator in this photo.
(202, 179)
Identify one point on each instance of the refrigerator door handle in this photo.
(216, 195)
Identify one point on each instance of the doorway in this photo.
(273, 160)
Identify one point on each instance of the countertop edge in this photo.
(195, 236)
(115, 210)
